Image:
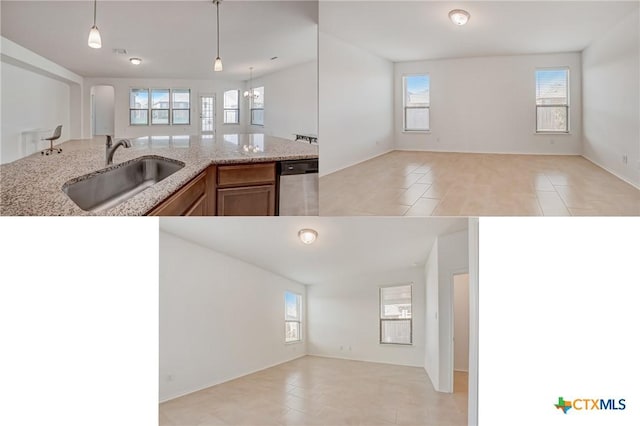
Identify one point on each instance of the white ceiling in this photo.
(346, 246)
(418, 30)
(175, 39)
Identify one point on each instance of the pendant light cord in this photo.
(218, 24)
(95, 5)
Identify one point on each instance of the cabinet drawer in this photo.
(246, 174)
(182, 201)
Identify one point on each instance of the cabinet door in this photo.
(181, 202)
(247, 201)
(199, 208)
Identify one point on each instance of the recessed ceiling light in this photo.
(459, 16)
(307, 236)
(135, 61)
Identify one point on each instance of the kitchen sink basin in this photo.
(109, 187)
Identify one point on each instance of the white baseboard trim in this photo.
(611, 171)
(354, 163)
(488, 153)
(364, 360)
(228, 380)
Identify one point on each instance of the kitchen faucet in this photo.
(111, 149)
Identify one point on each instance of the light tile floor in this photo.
(415, 183)
(321, 391)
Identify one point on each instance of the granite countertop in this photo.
(33, 185)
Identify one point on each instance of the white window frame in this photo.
(131, 89)
(410, 285)
(298, 321)
(256, 109)
(225, 109)
(172, 109)
(150, 108)
(404, 101)
(567, 106)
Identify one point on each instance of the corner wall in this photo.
(487, 105)
(220, 318)
(343, 319)
(611, 98)
(356, 104)
(449, 255)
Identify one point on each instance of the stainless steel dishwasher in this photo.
(298, 188)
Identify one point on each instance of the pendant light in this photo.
(95, 41)
(217, 65)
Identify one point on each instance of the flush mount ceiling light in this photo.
(95, 41)
(135, 61)
(459, 16)
(307, 236)
(217, 65)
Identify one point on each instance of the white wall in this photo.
(291, 102)
(356, 104)
(487, 104)
(611, 99)
(220, 318)
(432, 324)
(449, 255)
(36, 93)
(198, 87)
(461, 322)
(345, 313)
(103, 110)
(31, 101)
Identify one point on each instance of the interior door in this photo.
(207, 114)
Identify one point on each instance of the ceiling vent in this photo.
(120, 51)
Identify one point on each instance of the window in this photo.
(181, 107)
(292, 317)
(257, 107)
(552, 100)
(139, 107)
(232, 107)
(160, 106)
(416, 102)
(165, 106)
(395, 315)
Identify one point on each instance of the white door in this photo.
(207, 114)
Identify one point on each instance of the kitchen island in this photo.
(33, 185)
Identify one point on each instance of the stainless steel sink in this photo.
(109, 187)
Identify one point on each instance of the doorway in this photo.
(461, 333)
(103, 105)
(207, 114)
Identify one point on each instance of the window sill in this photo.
(293, 343)
(553, 133)
(395, 344)
(417, 131)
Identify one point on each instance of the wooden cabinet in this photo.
(233, 190)
(190, 200)
(247, 190)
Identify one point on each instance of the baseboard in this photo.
(488, 153)
(356, 163)
(228, 380)
(365, 360)
(611, 171)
